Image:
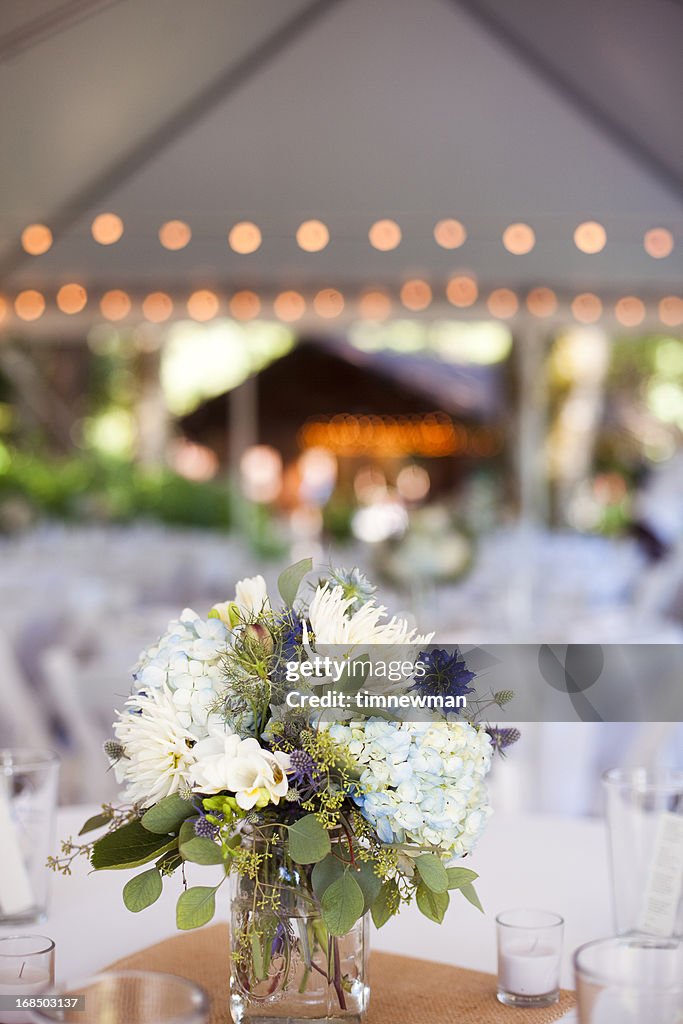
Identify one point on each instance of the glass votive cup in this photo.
(27, 969)
(28, 800)
(128, 997)
(529, 957)
(630, 979)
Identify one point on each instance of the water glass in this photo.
(27, 969)
(28, 799)
(529, 956)
(645, 827)
(129, 997)
(630, 979)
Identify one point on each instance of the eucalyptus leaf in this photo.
(432, 872)
(97, 821)
(386, 903)
(200, 850)
(168, 815)
(142, 891)
(342, 904)
(369, 882)
(289, 581)
(195, 907)
(432, 904)
(257, 957)
(129, 847)
(325, 872)
(470, 893)
(457, 877)
(308, 840)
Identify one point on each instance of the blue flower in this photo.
(445, 674)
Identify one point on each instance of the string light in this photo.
(374, 305)
(671, 311)
(416, 295)
(3, 308)
(587, 308)
(433, 435)
(450, 234)
(157, 307)
(312, 235)
(541, 302)
(244, 237)
(36, 239)
(590, 237)
(245, 305)
(630, 311)
(115, 305)
(203, 305)
(107, 228)
(328, 303)
(658, 243)
(519, 239)
(385, 235)
(289, 306)
(462, 291)
(175, 235)
(72, 298)
(29, 305)
(502, 303)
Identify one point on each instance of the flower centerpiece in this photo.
(319, 820)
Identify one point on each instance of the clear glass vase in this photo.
(284, 964)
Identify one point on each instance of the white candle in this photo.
(528, 970)
(22, 980)
(16, 894)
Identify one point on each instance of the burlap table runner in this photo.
(404, 991)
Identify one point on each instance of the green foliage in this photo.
(97, 821)
(308, 840)
(199, 850)
(470, 893)
(168, 815)
(195, 907)
(290, 580)
(370, 883)
(387, 902)
(432, 904)
(457, 877)
(342, 904)
(129, 847)
(432, 872)
(325, 872)
(143, 890)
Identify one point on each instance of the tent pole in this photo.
(242, 427)
(532, 398)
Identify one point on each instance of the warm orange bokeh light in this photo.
(203, 305)
(244, 237)
(29, 305)
(659, 243)
(449, 234)
(107, 228)
(175, 235)
(587, 308)
(312, 235)
(590, 237)
(245, 305)
(385, 235)
(157, 307)
(671, 311)
(374, 305)
(502, 303)
(328, 303)
(36, 239)
(72, 298)
(416, 295)
(541, 302)
(289, 306)
(115, 305)
(3, 308)
(462, 291)
(519, 239)
(630, 311)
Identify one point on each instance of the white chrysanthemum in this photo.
(158, 748)
(422, 783)
(334, 621)
(240, 766)
(186, 661)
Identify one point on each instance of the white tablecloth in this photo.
(546, 862)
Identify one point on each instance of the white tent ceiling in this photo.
(491, 111)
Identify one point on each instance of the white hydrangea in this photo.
(422, 782)
(186, 661)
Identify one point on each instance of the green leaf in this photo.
(325, 872)
(432, 904)
(457, 877)
(200, 850)
(370, 883)
(308, 840)
(129, 847)
(470, 893)
(142, 891)
(386, 904)
(169, 862)
(97, 821)
(195, 907)
(342, 904)
(168, 815)
(257, 957)
(289, 581)
(432, 872)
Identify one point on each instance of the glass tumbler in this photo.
(529, 957)
(28, 799)
(27, 969)
(127, 997)
(630, 979)
(645, 829)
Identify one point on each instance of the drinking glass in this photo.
(28, 798)
(645, 828)
(529, 955)
(630, 979)
(27, 968)
(128, 997)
